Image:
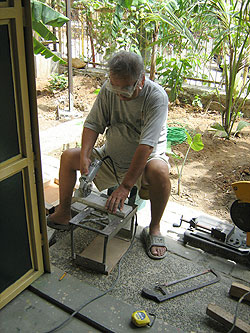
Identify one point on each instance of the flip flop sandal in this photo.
(150, 240)
(57, 226)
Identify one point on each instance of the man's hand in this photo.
(84, 165)
(116, 199)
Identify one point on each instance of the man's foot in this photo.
(57, 226)
(155, 244)
(59, 220)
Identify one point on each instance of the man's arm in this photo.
(136, 168)
(89, 138)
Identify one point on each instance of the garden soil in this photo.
(206, 182)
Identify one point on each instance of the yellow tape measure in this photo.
(140, 318)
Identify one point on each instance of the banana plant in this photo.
(43, 15)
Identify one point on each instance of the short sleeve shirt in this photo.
(130, 123)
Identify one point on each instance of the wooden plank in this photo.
(226, 319)
(115, 250)
(237, 290)
(51, 194)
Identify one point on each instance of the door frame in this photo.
(17, 15)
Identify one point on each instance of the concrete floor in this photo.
(185, 313)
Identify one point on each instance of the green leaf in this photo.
(97, 91)
(219, 130)
(195, 143)
(117, 20)
(241, 125)
(42, 12)
(127, 3)
(43, 31)
(39, 48)
(221, 134)
(171, 19)
(218, 126)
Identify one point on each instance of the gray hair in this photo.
(126, 65)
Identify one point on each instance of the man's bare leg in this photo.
(70, 163)
(156, 175)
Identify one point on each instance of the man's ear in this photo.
(142, 81)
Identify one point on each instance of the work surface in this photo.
(185, 313)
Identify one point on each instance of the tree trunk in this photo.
(89, 28)
(153, 55)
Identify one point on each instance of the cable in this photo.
(102, 294)
(236, 311)
(113, 166)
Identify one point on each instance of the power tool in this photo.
(240, 209)
(231, 241)
(86, 185)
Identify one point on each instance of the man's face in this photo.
(123, 85)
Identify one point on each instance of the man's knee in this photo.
(71, 157)
(157, 171)
(156, 175)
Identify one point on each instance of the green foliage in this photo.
(196, 142)
(57, 82)
(130, 29)
(43, 15)
(220, 131)
(179, 25)
(96, 92)
(197, 101)
(240, 126)
(172, 74)
(98, 16)
(131, 25)
(231, 32)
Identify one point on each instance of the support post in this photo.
(69, 53)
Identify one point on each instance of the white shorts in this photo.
(109, 176)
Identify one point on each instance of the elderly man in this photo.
(132, 111)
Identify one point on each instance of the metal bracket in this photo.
(103, 224)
